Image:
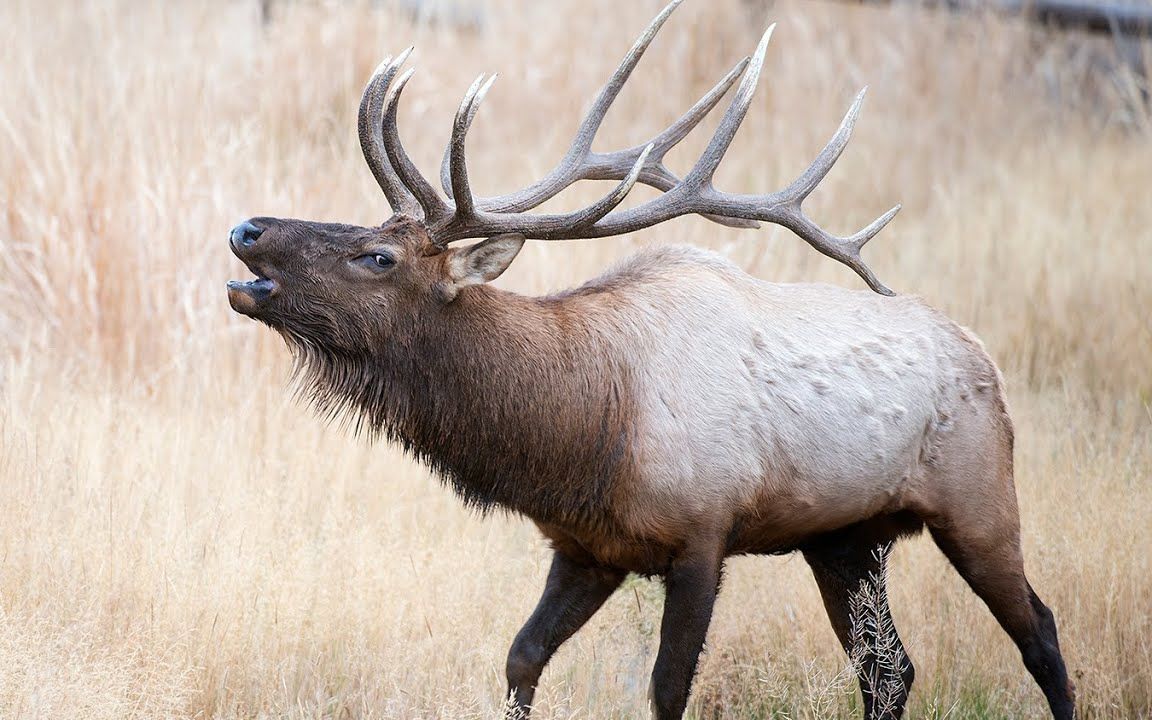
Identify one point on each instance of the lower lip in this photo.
(247, 297)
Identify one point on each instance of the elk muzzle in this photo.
(247, 297)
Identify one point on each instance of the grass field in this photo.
(180, 538)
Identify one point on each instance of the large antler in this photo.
(468, 216)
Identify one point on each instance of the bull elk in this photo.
(667, 414)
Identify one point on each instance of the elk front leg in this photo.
(572, 595)
(692, 584)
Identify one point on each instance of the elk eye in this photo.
(377, 262)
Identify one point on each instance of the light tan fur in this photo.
(790, 409)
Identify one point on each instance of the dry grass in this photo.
(180, 539)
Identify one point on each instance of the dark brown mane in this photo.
(515, 414)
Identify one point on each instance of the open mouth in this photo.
(246, 296)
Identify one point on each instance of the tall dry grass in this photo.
(178, 538)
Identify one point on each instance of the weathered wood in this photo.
(1115, 18)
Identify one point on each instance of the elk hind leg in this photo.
(848, 566)
(989, 559)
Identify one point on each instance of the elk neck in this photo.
(516, 402)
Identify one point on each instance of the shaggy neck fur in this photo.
(513, 401)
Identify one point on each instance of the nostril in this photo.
(245, 234)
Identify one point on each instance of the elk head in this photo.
(344, 287)
(336, 285)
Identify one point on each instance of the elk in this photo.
(668, 414)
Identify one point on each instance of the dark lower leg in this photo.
(997, 576)
(572, 595)
(691, 583)
(846, 572)
(1041, 653)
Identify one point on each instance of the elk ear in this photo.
(484, 261)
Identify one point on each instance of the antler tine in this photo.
(464, 117)
(371, 140)
(459, 187)
(844, 250)
(810, 178)
(446, 161)
(701, 173)
(586, 133)
(435, 208)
